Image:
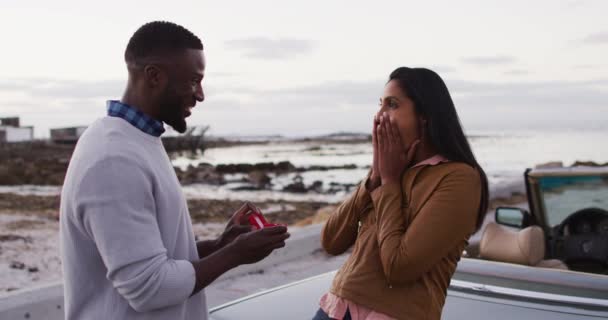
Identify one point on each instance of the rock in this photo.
(234, 168)
(316, 186)
(210, 177)
(313, 148)
(245, 188)
(589, 164)
(296, 187)
(285, 166)
(14, 237)
(327, 168)
(550, 165)
(259, 179)
(203, 173)
(17, 265)
(281, 167)
(338, 187)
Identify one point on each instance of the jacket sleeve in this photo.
(448, 217)
(340, 231)
(115, 208)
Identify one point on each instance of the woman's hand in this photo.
(374, 180)
(392, 157)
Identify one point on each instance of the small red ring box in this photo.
(257, 220)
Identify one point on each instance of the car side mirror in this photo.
(512, 217)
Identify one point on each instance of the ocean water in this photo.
(503, 155)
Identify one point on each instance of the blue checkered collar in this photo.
(135, 117)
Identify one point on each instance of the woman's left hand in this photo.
(393, 158)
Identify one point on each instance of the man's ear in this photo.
(154, 76)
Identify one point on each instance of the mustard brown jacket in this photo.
(407, 239)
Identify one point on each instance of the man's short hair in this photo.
(159, 38)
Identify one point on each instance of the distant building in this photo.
(67, 135)
(9, 122)
(10, 131)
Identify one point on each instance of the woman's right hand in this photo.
(374, 180)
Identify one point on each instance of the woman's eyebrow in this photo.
(389, 97)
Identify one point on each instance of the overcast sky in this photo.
(309, 67)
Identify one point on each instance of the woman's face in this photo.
(398, 106)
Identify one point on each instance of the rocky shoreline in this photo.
(258, 176)
(45, 164)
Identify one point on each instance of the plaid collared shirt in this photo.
(135, 117)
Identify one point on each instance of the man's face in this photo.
(184, 88)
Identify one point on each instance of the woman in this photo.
(410, 220)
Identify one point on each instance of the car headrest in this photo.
(526, 246)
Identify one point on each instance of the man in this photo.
(127, 243)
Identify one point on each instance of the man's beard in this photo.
(172, 112)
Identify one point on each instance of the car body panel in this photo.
(496, 291)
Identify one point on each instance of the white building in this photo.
(10, 131)
(67, 135)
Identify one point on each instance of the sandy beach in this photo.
(29, 230)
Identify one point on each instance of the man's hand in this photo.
(392, 156)
(240, 217)
(247, 248)
(231, 233)
(237, 225)
(254, 246)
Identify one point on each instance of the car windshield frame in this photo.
(552, 189)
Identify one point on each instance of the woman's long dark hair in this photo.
(432, 100)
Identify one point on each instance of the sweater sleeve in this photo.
(448, 217)
(115, 208)
(340, 231)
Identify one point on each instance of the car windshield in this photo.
(563, 196)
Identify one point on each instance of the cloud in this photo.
(349, 105)
(584, 67)
(322, 107)
(485, 61)
(517, 72)
(576, 4)
(539, 94)
(596, 38)
(441, 70)
(53, 88)
(271, 49)
(321, 95)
